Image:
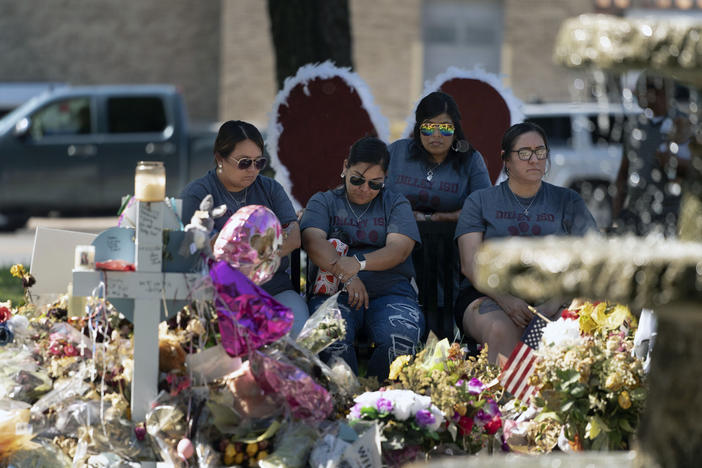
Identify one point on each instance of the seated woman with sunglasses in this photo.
(236, 182)
(378, 297)
(523, 205)
(437, 168)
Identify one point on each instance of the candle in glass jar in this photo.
(150, 181)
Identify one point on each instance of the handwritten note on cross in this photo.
(147, 287)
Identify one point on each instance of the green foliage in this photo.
(10, 287)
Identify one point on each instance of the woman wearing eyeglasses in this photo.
(236, 181)
(523, 205)
(376, 273)
(437, 168)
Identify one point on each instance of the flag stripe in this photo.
(520, 365)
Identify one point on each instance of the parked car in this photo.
(74, 150)
(586, 148)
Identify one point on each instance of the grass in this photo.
(10, 287)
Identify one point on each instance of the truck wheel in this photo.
(598, 200)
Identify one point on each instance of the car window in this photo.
(557, 128)
(135, 115)
(64, 117)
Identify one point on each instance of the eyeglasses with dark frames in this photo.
(525, 153)
(372, 184)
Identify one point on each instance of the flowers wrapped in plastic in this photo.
(293, 445)
(279, 377)
(410, 422)
(15, 434)
(324, 327)
(248, 317)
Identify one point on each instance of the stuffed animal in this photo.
(197, 232)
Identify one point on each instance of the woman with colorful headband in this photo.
(523, 205)
(236, 182)
(378, 297)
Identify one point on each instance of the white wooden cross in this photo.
(147, 287)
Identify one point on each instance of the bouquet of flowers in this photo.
(465, 389)
(324, 327)
(410, 423)
(592, 383)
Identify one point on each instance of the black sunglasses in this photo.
(245, 163)
(358, 181)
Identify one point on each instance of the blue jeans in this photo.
(394, 322)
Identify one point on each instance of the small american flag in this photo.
(515, 375)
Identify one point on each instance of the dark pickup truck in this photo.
(73, 150)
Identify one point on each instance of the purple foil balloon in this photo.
(248, 317)
(305, 397)
(250, 241)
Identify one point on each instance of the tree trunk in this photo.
(308, 31)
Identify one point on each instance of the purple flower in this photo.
(488, 411)
(424, 418)
(460, 383)
(355, 411)
(482, 416)
(475, 386)
(384, 405)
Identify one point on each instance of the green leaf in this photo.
(547, 415)
(567, 406)
(369, 411)
(638, 394)
(626, 426)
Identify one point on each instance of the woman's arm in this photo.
(319, 249)
(397, 248)
(445, 216)
(291, 240)
(516, 308)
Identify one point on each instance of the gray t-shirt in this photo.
(447, 189)
(497, 212)
(264, 191)
(366, 230)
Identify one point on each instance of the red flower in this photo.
(465, 425)
(570, 314)
(493, 425)
(70, 350)
(5, 314)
